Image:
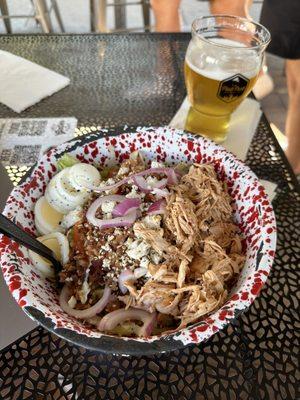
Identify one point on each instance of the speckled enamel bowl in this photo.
(252, 210)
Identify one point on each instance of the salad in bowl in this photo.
(154, 249)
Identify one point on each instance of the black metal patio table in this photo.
(137, 79)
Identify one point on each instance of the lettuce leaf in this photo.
(66, 161)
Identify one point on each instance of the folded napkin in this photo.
(24, 83)
(242, 127)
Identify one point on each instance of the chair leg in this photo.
(43, 15)
(120, 14)
(93, 16)
(146, 14)
(101, 21)
(57, 15)
(4, 11)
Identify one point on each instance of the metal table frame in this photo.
(256, 357)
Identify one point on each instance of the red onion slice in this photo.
(158, 207)
(141, 183)
(115, 318)
(126, 220)
(146, 187)
(118, 222)
(172, 177)
(149, 324)
(87, 313)
(171, 174)
(126, 206)
(125, 276)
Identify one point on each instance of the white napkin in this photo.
(242, 127)
(24, 83)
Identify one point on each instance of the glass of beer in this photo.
(222, 64)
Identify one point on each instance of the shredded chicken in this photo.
(154, 237)
(181, 220)
(200, 246)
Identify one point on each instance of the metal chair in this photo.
(41, 15)
(98, 10)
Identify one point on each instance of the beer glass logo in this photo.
(232, 88)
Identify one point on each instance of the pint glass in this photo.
(222, 63)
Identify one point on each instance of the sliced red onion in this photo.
(118, 222)
(126, 220)
(87, 313)
(125, 276)
(172, 177)
(171, 174)
(158, 207)
(149, 324)
(146, 187)
(111, 187)
(141, 183)
(126, 206)
(115, 318)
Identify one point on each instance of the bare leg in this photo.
(239, 8)
(166, 14)
(292, 128)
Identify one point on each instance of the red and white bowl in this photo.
(252, 211)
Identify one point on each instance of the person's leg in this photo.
(166, 13)
(292, 128)
(239, 8)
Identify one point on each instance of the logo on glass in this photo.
(232, 88)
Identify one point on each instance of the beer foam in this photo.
(203, 60)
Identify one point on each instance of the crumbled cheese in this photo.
(106, 247)
(129, 241)
(125, 261)
(123, 170)
(144, 206)
(110, 181)
(160, 193)
(152, 221)
(106, 263)
(72, 302)
(84, 291)
(151, 181)
(144, 262)
(138, 249)
(110, 238)
(102, 184)
(108, 206)
(155, 257)
(134, 193)
(156, 164)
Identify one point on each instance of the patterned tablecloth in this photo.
(137, 79)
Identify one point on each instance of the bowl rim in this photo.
(119, 345)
